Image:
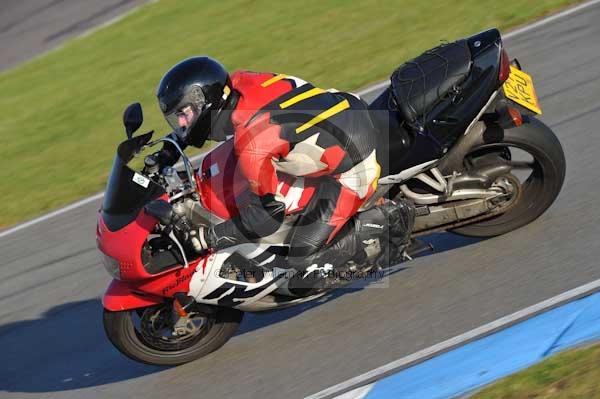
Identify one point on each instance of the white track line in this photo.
(461, 339)
(366, 91)
(113, 20)
(85, 33)
(551, 18)
(50, 215)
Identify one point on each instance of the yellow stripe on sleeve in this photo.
(274, 79)
(324, 115)
(302, 96)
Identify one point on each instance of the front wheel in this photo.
(541, 174)
(152, 335)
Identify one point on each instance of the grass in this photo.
(61, 112)
(574, 374)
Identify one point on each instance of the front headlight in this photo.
(111, 265)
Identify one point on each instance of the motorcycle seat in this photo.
(418, 85)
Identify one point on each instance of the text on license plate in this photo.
(519, 88)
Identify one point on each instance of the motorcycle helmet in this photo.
(200, 83)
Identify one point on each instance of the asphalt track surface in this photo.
(51, 335)
(31, 27)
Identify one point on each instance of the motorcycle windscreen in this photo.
(127, 191)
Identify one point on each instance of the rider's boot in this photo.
(400, 215)
(314, 270)
(401, 218)
(361, 242)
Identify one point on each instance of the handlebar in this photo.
(186, 162)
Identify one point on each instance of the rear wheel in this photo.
(150, 335)
(537, 160)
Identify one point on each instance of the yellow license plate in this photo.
(519, 88)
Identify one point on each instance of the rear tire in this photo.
(122, 331)
(538, 192)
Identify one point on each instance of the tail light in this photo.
(515, 116)
(504, 66)
(509, 117)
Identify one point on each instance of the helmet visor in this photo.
(173, 107)
(187, 115)
(173, 120)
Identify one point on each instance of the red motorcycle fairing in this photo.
(126, 295)
(125, 244)
(120, 296)
(136, 287)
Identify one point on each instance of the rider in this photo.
(284, 126)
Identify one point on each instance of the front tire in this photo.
(125, 332)
(540, 189)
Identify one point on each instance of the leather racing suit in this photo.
(286, 128)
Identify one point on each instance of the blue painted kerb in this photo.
(485, 360)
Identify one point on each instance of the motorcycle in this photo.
(467, 118)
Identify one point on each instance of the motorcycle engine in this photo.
(195, 212)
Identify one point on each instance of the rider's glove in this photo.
(208, 239)
(201, 238)
(197, 237)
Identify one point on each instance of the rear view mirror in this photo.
(132, 119)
